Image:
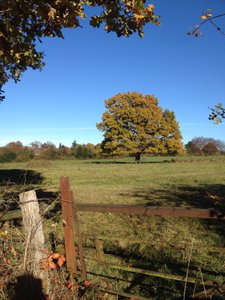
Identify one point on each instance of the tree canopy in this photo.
(24, 23)
(136, 124)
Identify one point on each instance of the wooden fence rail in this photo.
(159, 211)
(151, 211)
(154, 211)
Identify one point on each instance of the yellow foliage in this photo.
(135, 123)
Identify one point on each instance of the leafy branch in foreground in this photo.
(217, 113)
(24, 23)
(207, 17)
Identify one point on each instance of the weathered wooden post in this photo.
(99, 250)
(68, 224)
(34, 238)
(32, 222)
(79, 240)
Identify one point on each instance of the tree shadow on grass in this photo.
(202, 196)
(109, 162)
(24, 180)
(26, 287)
(157, 261)
(46, 198)
(13, 182)
(208, 196)
(10, 177)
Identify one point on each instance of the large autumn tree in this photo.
(136, 124)
(24, 24)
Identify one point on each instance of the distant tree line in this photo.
(205, 146)
(16, 151)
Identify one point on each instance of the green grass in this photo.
(184, 183)
(165, 181)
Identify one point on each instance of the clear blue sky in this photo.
(64, 102)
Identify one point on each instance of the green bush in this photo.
(7, 155)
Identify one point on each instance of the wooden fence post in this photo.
(33, 228)
(99, 250)
(79, 240)
(68, 224)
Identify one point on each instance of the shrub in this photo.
(209, 149)
(7, 155)
(192, 149)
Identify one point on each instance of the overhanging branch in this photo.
(196, 30)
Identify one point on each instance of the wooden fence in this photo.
(139, 210)
(146, 210)
(72, 233)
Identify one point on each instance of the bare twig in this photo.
(188, 267)
(202, 280)
(196, 31)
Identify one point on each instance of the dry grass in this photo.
(185, 182)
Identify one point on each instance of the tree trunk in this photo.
(138, 157)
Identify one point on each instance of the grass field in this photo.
(121, 181)
(165, 181)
